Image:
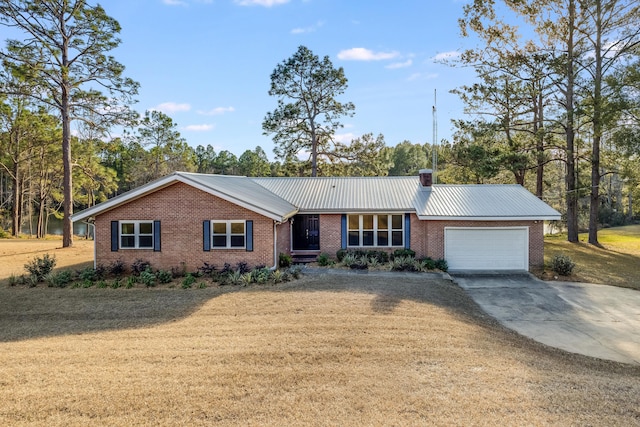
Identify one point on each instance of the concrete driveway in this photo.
(594, 320)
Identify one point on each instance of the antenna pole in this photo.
(434, 147)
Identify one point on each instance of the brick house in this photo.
(188, 219)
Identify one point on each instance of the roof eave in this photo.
(489, 218)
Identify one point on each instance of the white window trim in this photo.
(229, 234)
(136, 234)
(390, 231)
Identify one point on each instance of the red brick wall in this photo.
(181, 210)
(434, 232)
(330, 233)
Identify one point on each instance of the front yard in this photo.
(356, 349)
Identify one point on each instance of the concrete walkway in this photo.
(594, 320)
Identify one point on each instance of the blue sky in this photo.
(207, 63)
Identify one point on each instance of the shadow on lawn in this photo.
(41, 312)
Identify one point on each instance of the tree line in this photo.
(557, 112)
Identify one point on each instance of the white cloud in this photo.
(362, 54)
(265, 3)
(171, 107)
(446, 55)
(174, 2)
(345, 138)
(310, 29)
(199, 128)
(422, 76)
(397, 65)
(217, 111)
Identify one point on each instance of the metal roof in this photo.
(236, 189)
(280, 198)
(346, 194)
(478, 202)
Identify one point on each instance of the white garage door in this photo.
(505, 248)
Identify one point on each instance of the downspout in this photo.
(275, 245)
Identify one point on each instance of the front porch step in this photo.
(304, 258)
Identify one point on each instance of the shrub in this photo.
(40, 267)
(131, 281)
(164, 276)
(87, 284)
(87, 274)
(246, 278)
(100, 271)
(340, 254)
(181, 270)
(324, 260)
(284, 260)
(116, 284)
(441, 264)
(188, 281)
(295, 271)
(373, 262)
(116, 268)
(403, 253)
(140, 266)
(243, 267)
(59, 279)
(277, 276)
(13, 280)
(261, 275)
(428, 264)
(207, 269)
(148, 278)
(562, 264)
(202, 285)
(234, 278)
(403, 263)
(101, 284)
(226, 269)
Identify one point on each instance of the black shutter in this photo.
(206, 235)
(114, 236)
(156, 236)
(249, 235)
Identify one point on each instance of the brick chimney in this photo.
(426, 177)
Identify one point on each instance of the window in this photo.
(228, 234)
(136, 234)
(375, 230)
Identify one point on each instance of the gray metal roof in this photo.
(280, 198)
(346, 194)
(495, 201)
(236, 189)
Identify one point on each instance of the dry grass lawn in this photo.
(616, 263)
(359, 349)
(15, 253)
(346, 351)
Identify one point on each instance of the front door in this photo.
(306, 232)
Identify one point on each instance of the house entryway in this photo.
(306, 233)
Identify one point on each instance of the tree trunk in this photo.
(538, 124)
(17, 202)
(597, 131)
(570, 177)
(67, 183)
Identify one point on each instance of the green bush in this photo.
(403, 253)
(164, 276)
(441, 264)
(140, 265)
(87, 274)
(40, 267)
(188, 281)
(428, 264)
(148, 278)
(562, 264)
(324, 259)
(284, 260)
(59, 279)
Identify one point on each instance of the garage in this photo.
(488, 248)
